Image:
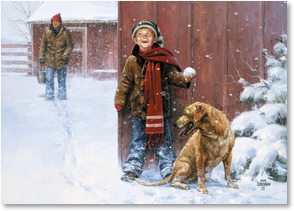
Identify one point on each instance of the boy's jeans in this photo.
(165, 155)
(61, 73)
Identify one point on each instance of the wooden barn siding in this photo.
(206, 36)
(101, 41)
(102, 46)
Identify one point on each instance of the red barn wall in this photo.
(215, 38)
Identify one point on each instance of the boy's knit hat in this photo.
(56, 17)
(149, 24)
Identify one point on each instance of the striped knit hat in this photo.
(149, 24)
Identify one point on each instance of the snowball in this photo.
(189, 71)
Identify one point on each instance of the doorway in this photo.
(78, 59)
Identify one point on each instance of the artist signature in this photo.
(263, 183)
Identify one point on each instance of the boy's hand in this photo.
(189, 74)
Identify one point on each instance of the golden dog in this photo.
(208, 146)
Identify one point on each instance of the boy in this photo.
(149, 71)
(55, 49)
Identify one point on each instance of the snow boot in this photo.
(62, 98)
(129, 177)
(49, 98)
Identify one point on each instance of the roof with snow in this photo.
(72, 11)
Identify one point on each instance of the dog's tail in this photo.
(162, 182)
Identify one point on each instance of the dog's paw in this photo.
(232, 185)
(180, 185)
(202, 189)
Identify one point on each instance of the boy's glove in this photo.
(189, 74)
(118, 108)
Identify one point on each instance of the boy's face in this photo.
(145, 38)
(55, 24)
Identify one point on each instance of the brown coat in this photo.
(133, 80)
(56, 49)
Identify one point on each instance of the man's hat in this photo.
(56, 17)
(153, 26)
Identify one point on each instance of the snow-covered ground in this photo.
(65, 152)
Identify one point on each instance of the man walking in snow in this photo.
(149, 71)
(55, 49)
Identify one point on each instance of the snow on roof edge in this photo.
(76, 11)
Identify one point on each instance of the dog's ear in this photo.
(199, 112)
(218, 120)
(219, 126)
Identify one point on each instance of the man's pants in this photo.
(61, 75)
(165, 155)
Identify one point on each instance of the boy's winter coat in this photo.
(133, 79)
(56, 49)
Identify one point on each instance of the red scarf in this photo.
(153, 93)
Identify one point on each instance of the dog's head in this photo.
(201, 116)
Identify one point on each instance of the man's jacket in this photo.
(56, 49)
